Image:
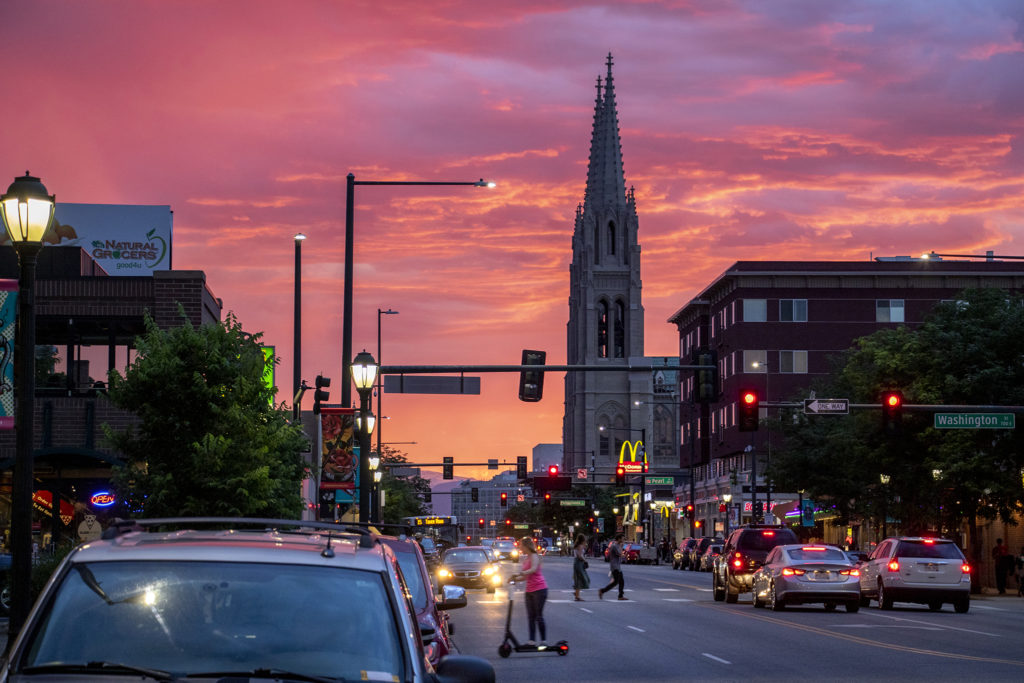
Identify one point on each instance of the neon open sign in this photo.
(102, 499)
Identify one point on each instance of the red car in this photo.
(429, 610)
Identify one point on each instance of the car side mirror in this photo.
(465, 669)
(452, 597)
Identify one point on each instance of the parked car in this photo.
(681, 556)
(469, 567)
(707, 560)
(931, 571)
(857, 556)
(177, 599)
(800, 574)
(743, 554)
(698, 550)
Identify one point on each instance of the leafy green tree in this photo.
(210, 440)
(403, 496)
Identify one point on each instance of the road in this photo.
(671, 629)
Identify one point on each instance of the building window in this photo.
(603, 443)
(889, 311)
(602, 329)
(611, 238)
(755, 310)
(793, 310)
(620, 330)
(793, 362)
(752, 357)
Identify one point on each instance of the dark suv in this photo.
(743, 554)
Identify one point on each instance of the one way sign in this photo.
(826, 406)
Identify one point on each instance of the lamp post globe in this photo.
(26, 210)
(364, 374)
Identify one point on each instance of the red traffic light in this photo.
(508, 522)
(893, 399)
(553, 471)
(504, 499)
(749, 397)
(620, 471)
(547, 497)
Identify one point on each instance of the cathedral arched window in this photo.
(620, 330)
(611, 237)
(602, 329)
(597, 245)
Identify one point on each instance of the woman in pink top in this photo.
(536, 589)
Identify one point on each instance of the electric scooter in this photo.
(511, 644)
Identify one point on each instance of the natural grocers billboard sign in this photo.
(125, 239)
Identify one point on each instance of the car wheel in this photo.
(731, 596)
(884, 601)
(962, 605)
(853, 605)
(935, 605)
(757, 601)
(5, 599)
(774, 601)
(717, 591)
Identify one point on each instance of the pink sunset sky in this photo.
(750, 130)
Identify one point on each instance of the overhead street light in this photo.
(350, 192)
(27, 213)
(364, 373)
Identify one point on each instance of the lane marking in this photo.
(490, 602)
(677, 599)
(584, 609)
(717, 659)
(930, 623)
(638, 630)
(919, 628)
(561, 601)
(667, 590)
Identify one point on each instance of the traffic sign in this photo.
(581, 473)
(659, 481)
(572, 502)
(975, 421)
(826, 406)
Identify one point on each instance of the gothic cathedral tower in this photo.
(606, 316)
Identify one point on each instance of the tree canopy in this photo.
(210, 440)
(967, 352)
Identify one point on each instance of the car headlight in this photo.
(489, 571)
(443, 573)
(515, 553)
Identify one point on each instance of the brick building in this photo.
(92, 320)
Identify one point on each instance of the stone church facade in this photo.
(606, 321)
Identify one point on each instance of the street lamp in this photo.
(27, 213)
(364, 373)
(768, 439)
(884, 479)
(727, 498)
(297, 343)
(350, 196)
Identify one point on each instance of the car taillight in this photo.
(792, 572)
(894, 565)
(850, 572)
(768, 533)
(965, 568)
(737, 560)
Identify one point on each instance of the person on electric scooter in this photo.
(536, 590)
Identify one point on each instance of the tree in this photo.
(209, 440)
(403, 495)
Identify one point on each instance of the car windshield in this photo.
(410, 565)
(504, 545)
(428, 544)
(817, 555)
(926, 550)
(194, 617)
(464, 555)
(765, 539)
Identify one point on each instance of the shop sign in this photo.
(102, 499)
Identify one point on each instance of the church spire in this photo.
(605, 176)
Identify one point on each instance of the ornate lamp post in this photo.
(27, 213)
(364, 374)
(727, 498)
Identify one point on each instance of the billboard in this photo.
(340, 465)
(124, 239)
(8, 320)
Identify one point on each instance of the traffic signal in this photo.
(508, 522)
(707, 379)
(447, 467)
(531, 382)
(320, 396)
(480, 523)
(750, 406)
(474, 493)
(504, 499)
(620, 476)
(697, 524)
(892, 409)
(547, 497)
(553, 471)
(521, 467)
(689, 511)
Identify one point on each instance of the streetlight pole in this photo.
(727, 497)
(346, 331)
(768, 438)
(27, 213)
(297, 342)
(364, 373)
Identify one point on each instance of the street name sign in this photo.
(975, 421)
(826, 406)
(659, 481)
(572, 503)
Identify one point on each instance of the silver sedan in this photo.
(806, 573)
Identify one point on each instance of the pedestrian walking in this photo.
(1002, 560)
(580, 579)
(1020, 573)
(536, 590)
(615, 557)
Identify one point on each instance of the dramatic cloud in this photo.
(750, 130)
